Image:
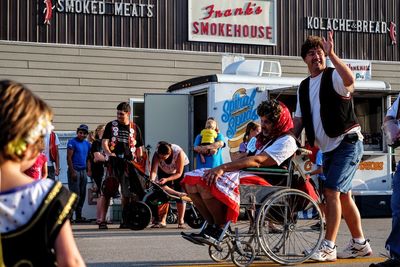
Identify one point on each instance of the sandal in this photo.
(103, 226)
(182, 226)
(158, 225)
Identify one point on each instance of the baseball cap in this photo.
(83, 127)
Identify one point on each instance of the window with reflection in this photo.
(369, 114)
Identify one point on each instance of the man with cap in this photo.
(78, 151)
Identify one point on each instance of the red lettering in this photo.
(238, 11)
(232, 30)
(204, 28)
(249, 9)
(195, 27)
(228, 29)
(253, 31)
(260, 32)
(228, 13)
(210, 10)
(213, 29)
(237, 30)
(245, 31)
(221, 29)
(268, 30)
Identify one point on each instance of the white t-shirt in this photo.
(322, 140)
(282, 149)
(171, 168)
(47, 147)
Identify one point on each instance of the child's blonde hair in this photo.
(24, 120)
(98, 129)
(211, 124)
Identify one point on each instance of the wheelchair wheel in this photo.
(220, 253)
(243, 254)
(193, 218)
(138, 215)
(286, 227)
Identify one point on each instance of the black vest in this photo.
(337, 111)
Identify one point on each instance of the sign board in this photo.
(239, 21)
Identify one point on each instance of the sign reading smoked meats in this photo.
(96, 7)
(233, 21)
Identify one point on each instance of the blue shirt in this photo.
(212, 160)
(81, 153)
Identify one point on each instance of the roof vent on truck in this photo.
(260, 68)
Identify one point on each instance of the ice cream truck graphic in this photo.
(232, 98)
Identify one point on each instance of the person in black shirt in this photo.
(122, 143)
(98, 158)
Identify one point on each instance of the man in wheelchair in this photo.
(215, 192)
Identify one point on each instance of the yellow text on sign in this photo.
(371, 166)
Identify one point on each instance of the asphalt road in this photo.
(165, 247)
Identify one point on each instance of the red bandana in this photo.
(283, 125)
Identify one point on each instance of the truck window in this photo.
(369, 114)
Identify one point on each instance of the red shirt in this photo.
(35, 171)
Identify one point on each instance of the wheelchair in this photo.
(278, 223)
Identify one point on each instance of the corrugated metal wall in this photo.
(85, 84)
(22, 20)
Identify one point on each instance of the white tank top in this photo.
(171, 168)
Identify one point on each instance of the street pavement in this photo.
(165, 247)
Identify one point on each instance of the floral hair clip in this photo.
(43, 127)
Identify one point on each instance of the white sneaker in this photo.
(354, 250)
(325, 253)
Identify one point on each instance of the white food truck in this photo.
(232, 98)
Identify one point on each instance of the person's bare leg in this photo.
(105, 204)
(181, 207)
(164, 216)
(333, 214)
(217, 209)
(194, 194)
(99, 209)
(173, 192)
(351, 215)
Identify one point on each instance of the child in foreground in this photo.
(34, 216)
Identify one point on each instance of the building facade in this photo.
(85, 56)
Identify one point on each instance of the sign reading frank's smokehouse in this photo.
(226, 21)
